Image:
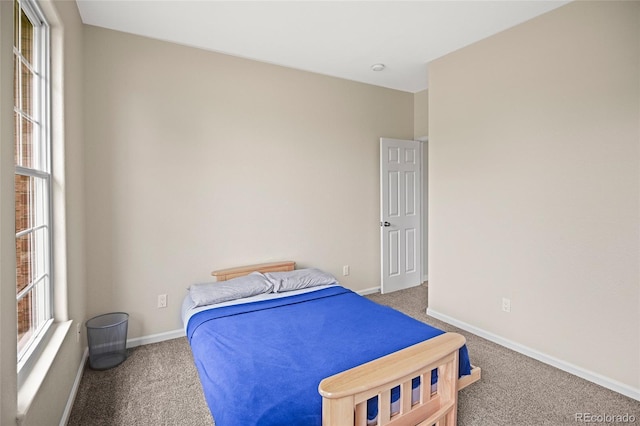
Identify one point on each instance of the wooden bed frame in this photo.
(345, 395)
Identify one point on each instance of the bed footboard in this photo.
(345, 395)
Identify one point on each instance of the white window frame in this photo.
(41, 114)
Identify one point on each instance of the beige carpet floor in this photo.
(158, 385)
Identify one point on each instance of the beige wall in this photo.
(421, 114)
(197, 161)
(534, 186)
(48, 405)
(8, 326)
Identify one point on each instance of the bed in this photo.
(286, 353)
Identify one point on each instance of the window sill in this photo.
(37, 375)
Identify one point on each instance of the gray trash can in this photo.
(107, 337)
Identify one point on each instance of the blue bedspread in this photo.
(250, 377)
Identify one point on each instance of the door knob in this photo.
(385, 223)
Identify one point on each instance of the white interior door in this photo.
(400, 215)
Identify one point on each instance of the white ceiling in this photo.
(337, 38)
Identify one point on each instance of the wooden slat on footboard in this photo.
(345, 394)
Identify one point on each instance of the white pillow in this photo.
(236, 288)
(300, 278)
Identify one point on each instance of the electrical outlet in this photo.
(345, 270)
(506, 304)
(162, 301)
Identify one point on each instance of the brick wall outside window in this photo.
(24, 150)
(23, 258)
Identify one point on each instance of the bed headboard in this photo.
(227, 274)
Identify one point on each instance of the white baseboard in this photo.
(155, 338)
(596, 378)
(370, 290)
(74, 389)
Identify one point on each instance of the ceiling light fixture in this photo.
(378, 67)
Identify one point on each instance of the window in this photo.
(32, 177)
